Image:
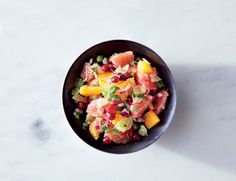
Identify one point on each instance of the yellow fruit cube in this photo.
(144, 67)
(151, 119)
(95, 133)
(102, 79)
(125, 85)
(87, 90)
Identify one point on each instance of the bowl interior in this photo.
(108, 48)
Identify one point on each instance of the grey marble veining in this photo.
(39, 40)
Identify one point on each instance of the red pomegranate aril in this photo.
(127, 75)
(110, 108)
(110, 66)
(129, 100)
(120, 76)
(82, 105)
(110, 116)
(105, 67)
(125, 113)
(107, 140)
(136, 137)
(114, 79)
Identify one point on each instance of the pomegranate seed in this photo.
(127, 75)
(82, 105)
(129, 100)
(88, 100)
(105, 67)
(110, 66)
(125, 113)
(136, 137)
(110, 108)
(107, 140)
(110, 116)
(114, 79)
(120, 76)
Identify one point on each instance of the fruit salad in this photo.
(122, 97)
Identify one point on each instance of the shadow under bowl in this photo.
(108, 48)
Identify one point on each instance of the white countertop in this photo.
(39, 40)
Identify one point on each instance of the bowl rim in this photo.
(170, 113)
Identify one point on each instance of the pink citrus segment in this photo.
(122, 59)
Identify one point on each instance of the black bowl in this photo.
(108, 48)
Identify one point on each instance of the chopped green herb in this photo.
(132, 74)
(133, 95)
(136, 110)
(76, 114)
(84, 125)
(104, 93)
(79, 83)
(132, 63)
(141, 96)
(104, 128)
(99, 58)
(114, 97)
(113, 90)
(110, 94)
(126, 105)
(160, 84)
(115, 131)
(135, 126)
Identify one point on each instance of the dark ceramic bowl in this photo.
(108, 48)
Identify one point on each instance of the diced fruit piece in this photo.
(93, 131)
(87, 90)
(138, 107)
(95, 107)
(145, 80)
(160, 100)
(120, 137)
(144, 67)
(87, 73)
(122, 123)
(102, 79)
(99, 58)
(106, 140)
(138, 89)
(151, 107)
(122, 59)
(151, 119)
(142, 131)
(126, 86)
(105, 67)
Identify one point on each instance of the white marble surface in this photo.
(39, 40)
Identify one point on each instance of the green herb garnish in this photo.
(160, 84)
(136, 110)
(79, 83)
(115, 131)
(110, 94)
(99, 58)
(135, 126)
(76, 114)
(126, 105)
(132, 63)
(104, 92)
(141, 96)
(84, 125)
